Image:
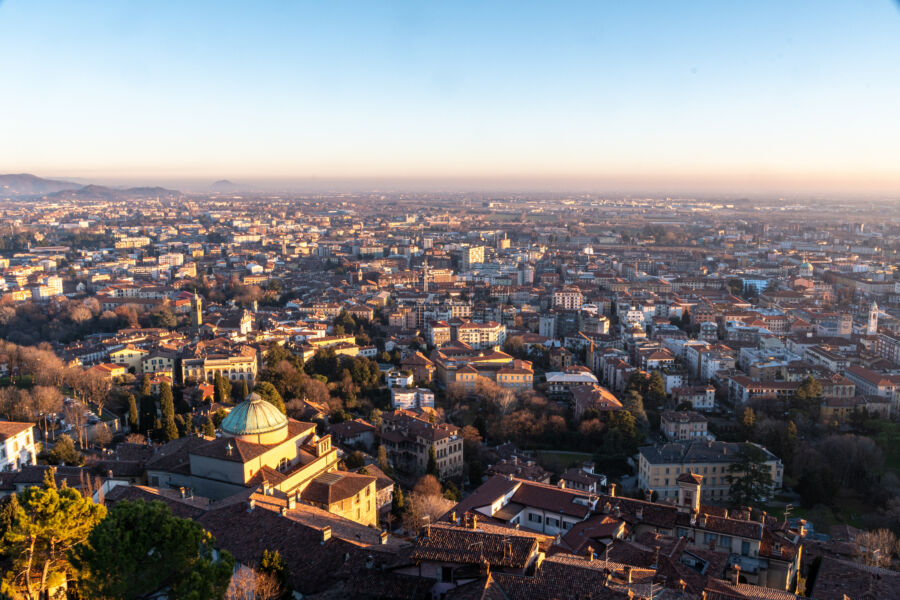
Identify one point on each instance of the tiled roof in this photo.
(443, 542)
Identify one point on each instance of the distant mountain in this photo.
(25, 184)
(101, 192)
(223, 184)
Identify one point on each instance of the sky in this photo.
(729, 96)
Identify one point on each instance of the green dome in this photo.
(253, 416)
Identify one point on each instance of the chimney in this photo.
(252, 504)
(802, 527)
(266, 488)
(693, 518)
(383, 538)
(612, 490)
(648, 495)
(590, 554)
(467, 519)
(292, 502)
(284, 511)
(183, 493)
(737, 574)
(561, 484)
(326, 534)
(628, 573)
(474, 521)
(453, 517)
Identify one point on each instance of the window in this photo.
(745, 548)
(534, 518)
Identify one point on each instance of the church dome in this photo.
(256, 420)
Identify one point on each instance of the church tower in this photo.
(196, 312)
(872, 326)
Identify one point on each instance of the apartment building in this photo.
(409, 436)
(660, 466)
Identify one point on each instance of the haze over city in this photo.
(768, 97)
(449, 300)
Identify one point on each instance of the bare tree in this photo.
(102, 435)
(249, 584)
(46, 402)
(878, 547)
(74, 413)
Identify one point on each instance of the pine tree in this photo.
(209, 428)
(133, 417)
(167, 407)
(398, 502)
(245, 391)
(145, 385)
(748, 421)
(749, 477)
(47, 523)
(656, 390)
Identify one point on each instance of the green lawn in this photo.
(560, 461)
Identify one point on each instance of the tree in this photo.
(133, 416)
(878, 547)
(64, 452)
(398, 502)
(245, 390)
(432, 467)
(272, 564)
(222, 389)
(382, 460)
(656, 390)
(808, 395)
(267, 392)
(102, 435)
(354, 460)
(141, 549)
(167, 407)
(749, 477)
(46, 523)
(146, 388)
(748, 421)
(209, 428)
(633, 402)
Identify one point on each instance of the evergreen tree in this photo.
(633, 402)
(267, 392)
(167, 407)
(749, 477)
(145, 385)
(245, 391)
(656, 391)
(47, 523)
(209, 428)
(133, 416)
(432, 467)
(398, 502)
(140, 549)
(64, 453)
(148, 413)
(273, 564)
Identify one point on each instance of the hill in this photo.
(100, 192)
(25, 184)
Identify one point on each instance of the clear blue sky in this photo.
(719, 94)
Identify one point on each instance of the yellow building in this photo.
(259, 446)
(348, 495)
(130, 356)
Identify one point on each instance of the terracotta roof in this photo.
(443, 542)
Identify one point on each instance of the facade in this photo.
(568, 298)
(679, 426)
(259, 446)
(349, 495)
(660, 466)
(412, 398)
(17, 445)
(408, 438)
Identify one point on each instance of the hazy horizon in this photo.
(657, 97)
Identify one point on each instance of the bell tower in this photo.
(872, 325)
(196, 312)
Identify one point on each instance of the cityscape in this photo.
(355, 376)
